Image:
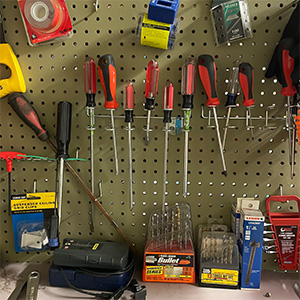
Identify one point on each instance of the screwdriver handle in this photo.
(89, 68)
(63, 129)
(208, 75)
(27, 114)
(286, 66)
(188, 73)
(246, 82)
(168, 95)
(129, 101)
(108, 78)
(151, 86)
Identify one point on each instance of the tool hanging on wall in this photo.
(8, 156)
(208, 76)
(286, 66)
(129, 103)
(188, 75)
(151, 86)
(29, 116)
(286, 227)
(168, 95)
(63, 136)
(233, 91)
(246, 81)
(108, 79)
(90, 89)
(16, 82)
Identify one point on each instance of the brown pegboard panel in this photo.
(54, 73)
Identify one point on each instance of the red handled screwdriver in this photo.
(129, 103)
(187, 91)
(29, 116)
(108, 78)
(168, 95)
(246, 81)
(151, 86)
(89, 67)
(233, 91)
(208, 75)
(286, 66)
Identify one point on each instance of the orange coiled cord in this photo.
(297, 122)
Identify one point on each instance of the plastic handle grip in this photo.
(108, 79)
(27, 114)
(286, 66)
(152, 75)
(63, 129)
(188, 77)
(246, 81)
(9, 156)
(128, 95)
(168, 95)
(89, 69)
(208, 75)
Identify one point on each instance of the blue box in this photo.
(251, 247)
(163, 10)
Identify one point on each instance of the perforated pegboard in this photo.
(54, 73)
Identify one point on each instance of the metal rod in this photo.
(226, 127)
(130, 166)
(60, 187)
(114, 141)
(219, 141)
(165, 167)
(250, 126)
(185, 162)
(148, 127)
(91, 128)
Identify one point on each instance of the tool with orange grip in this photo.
(208, 75)
(8, 156)
(16, 82)
(108, 79)
(246, 82)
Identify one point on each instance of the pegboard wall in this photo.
(54, 73)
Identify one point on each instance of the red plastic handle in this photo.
(282, 199)
(208, 75)
(9, 156)
(152, 75)
(246, 81)
(108, 78)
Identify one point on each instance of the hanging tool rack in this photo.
(54, 73)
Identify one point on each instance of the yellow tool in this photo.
(16, 82)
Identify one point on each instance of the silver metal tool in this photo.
(90, 89)
(128, 99)
(168, 94)
(253, 246)
(187, 91)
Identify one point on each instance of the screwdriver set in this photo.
(169, 252)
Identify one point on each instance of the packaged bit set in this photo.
(31, 219)
(219, 258)
(231, 21)
(45, 20)
(159, 26)
(169, 252)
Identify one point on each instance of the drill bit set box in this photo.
(218, 258)
(169, 252)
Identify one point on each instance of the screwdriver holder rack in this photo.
(55, 72)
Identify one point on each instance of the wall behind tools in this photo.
(54, 73)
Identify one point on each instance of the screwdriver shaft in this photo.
(165, 167)
(226, 127)
(114, 140)
(185, 162)
(130, 165)
(219, 140)
(250, 122)
(148, 128)
(60, 187)
(92, 124)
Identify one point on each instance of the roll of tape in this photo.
(44, 15)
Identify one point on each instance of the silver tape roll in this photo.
(40, 13)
